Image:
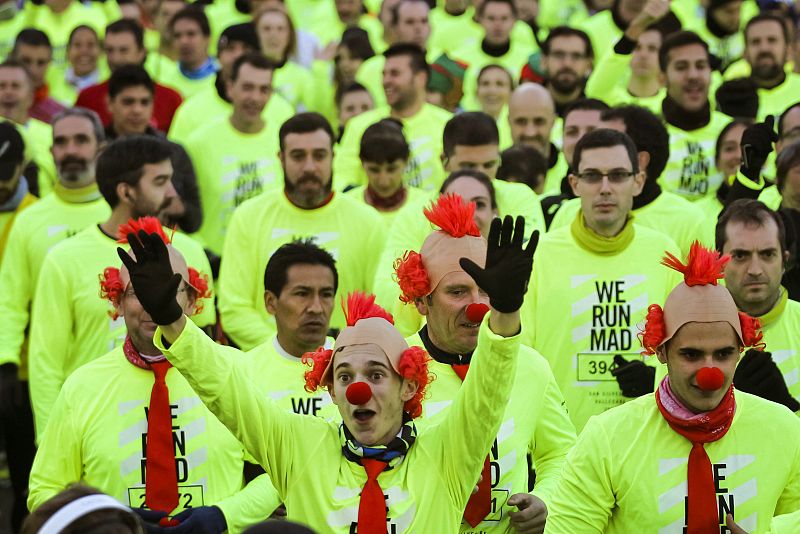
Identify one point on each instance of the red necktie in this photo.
(480, 503)
(372, 507)
(161, 476)
(702, 516)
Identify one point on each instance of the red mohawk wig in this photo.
(111, 289)
(151, 225)
(361, 306)
(453, 215)
(703, 266)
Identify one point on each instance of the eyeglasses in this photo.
(614, 177)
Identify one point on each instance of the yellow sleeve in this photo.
(16, 290)
(785, 524)
(612, 70)
(252, 504)
(347, 168)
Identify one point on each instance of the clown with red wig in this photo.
(132, 426)
(373, 471)
(535, 422)
(696, 456)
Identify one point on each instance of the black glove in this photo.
(150, 519)
(635, 378)
(200, 520)
(738, 98)
(756, 144)
(11, 391)
(758, 374)
(151, 275)
(508, 265)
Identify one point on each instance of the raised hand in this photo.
(756, 143)
(635, 378)
(508, 264)
(758, 374)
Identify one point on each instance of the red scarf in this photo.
(702, 515)
(390, 203)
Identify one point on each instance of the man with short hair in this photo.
(70, 326)
(706, 443)
(32, 48)
(236, 155)
(123, 44)
(692, 125)
(306, 206)
(405, 75)
(755, 239)
(593, 279)
(195, 69)
(14, 194)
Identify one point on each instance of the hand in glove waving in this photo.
(756, 143)
(758, 374)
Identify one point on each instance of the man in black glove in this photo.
(635, 377)
(758, 374)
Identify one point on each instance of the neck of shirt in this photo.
(682, 118)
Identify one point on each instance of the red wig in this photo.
(703, 266)
(453, 215)
(413, 365)
(412, 277)
(200, 283)
(654, 330)
(318, 361)
(361, 305)
(751, 332)
(150, 225)
(111, 289)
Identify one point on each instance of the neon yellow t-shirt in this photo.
(70, 323)
(231, 167)
(334, 28)
(628, 471)
(7, 219)
(423, 132)
(8, 32)
(350, 231)
(781, 328)
(35, 231)
(609, 83)
(38, 137)
(295, 84)
(593, 304)
(535, 422)
(279, 375)
(771, 197)
(426, 492)
(672, 215)
(449, 33)
(690, 171)
(774, 101)
(554, 13)
(555, 175)
(370, 74)
(97, 435)
(602, 31)
(169, 74)
(414, 195)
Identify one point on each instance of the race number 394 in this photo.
(593, 367)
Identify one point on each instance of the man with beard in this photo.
(236, 155)
(74, 204)
(405, 76)
(692, 125)
(306, 207)
(131, 94)
(70, 326)
(531, 117)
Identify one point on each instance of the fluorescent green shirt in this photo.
(602, 31)
(169, 74)
(781, 328)
(38, 137)
(582, 309)
(350, 231)
(423, 132)
(7, 219)
(690, 171)
(35, 231)
(414, 195)
(775, 101)
(8, 32)
(669, 214)
(449, 33)
(628, 471)
(771, 197)
(426, 492)
(609, 83)
(535, 422)
(231, 167)
(70, 323)
(279, 375)
(295, 84)
(334, 28)
(97, 435)
(207, 106)
(554, 13)
(370, 74)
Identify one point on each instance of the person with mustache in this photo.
(592, 277)
(567, 57)
(74, 204)
(69, 325)
(688, 457)
(306, 207)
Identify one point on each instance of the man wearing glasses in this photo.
(593, 279)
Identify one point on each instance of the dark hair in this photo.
(302, 123)
(383, 142)
(491, 66)
(749, 212)
(129, 76)
(509, 3)
(106, 520)
(470, 128)
(123, 161)
(477, 175)
(415, 54)
(84, 113)
(728, 127)
(298, 252)
(603, 138)
(524, 163)
(128, 26)
(254, 59)
(356, 40)
(394, 11)
(788, 159)
(353, 87)
(678, 40)
(31, 37)
(767, 17)
(585, 104)
(194, 13)
(647, 132)
(566, 31)
(782, 118)
(78, 28)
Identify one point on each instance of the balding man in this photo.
(531, 117)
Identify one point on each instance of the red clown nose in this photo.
(476, 311)
(358, 393)
(710, 378)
